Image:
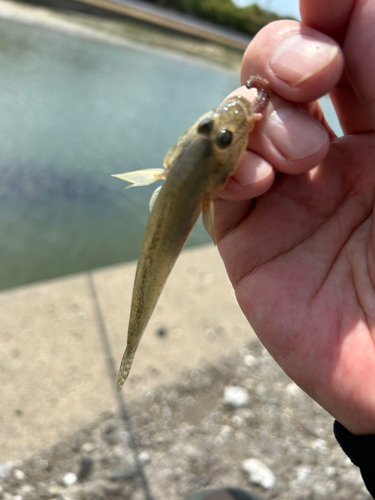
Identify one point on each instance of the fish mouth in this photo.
(240, 101)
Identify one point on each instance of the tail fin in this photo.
(126, 363)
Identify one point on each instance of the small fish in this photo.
(196, 170)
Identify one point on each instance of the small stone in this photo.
(69, 479)
(236, 396)
(88, 447)
(259, 473)
(19, 474)
(144, 457)
(250, 360)
(27, 488)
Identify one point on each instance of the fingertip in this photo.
(289, 138)
(300, 140)
(300, 63)
(302, 57)
(254, 176)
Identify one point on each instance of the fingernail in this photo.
(299, 57)
(295, 133)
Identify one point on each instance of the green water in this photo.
(74, 111)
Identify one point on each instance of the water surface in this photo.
(73, 112)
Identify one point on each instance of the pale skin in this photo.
(302, 257)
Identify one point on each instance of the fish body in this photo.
(197, 169)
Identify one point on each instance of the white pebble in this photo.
(88, 447)
(19, 474)
(144, 457)
(250, 360)
(27, 488)
(259, 473)
(236, 396)
(69, 478)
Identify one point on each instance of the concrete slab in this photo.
(53, 377)
(197, 313)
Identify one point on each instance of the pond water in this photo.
(73, 112)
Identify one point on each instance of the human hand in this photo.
(302, 257)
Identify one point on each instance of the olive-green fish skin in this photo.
(198, 166)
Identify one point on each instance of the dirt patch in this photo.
(188, 439)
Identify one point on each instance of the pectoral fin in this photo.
(208, 218)
(143, 177)
(153, 197)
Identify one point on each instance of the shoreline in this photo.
(154, 15)
(173, 20)
(125, 32)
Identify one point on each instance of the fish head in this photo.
(227, 128)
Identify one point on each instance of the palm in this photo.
(299, 267)
(302, 257)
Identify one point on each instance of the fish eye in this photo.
(224, 138)
(205, 127)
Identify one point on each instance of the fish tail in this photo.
(126, 363)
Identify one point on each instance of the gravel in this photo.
(278, 443)
(259, 473)
(237, 397)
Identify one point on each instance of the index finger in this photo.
(331, 17)
(350, 23)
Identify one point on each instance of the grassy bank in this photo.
(248, 20)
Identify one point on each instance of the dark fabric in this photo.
(361, 451)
